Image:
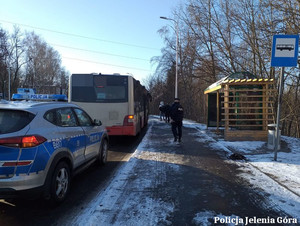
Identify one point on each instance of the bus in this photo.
(119, 101)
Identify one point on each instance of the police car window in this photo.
(14, 120)
(51, 116)
(83, 118)
(65, 117)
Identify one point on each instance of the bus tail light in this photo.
(128, 120)
(23, 141)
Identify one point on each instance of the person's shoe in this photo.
(175, 139)
(179, 140)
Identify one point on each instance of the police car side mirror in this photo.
(97, 122)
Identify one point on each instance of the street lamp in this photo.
(8, 70)
(176, 70)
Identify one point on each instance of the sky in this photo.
(96, 36)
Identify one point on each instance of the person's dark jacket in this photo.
(166, 109)
(176, 112)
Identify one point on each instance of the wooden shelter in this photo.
(243, 105)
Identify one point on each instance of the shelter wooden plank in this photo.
(250, 96)
(244, 125)
(250, 108)
(248, 102)
(241, 135)
(251, 90)
(245, 113)
(247, 119)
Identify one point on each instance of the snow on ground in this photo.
(279, 179)
(102, 209)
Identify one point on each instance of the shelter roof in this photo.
(237, 79)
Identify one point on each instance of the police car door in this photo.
(72, 134)
(92, 132)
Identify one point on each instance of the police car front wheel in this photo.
(60, 182)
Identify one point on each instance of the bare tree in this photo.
(218, 38)
(63, 81)
(17, 57)
(32, 63)
(44, 63)
(4, 46)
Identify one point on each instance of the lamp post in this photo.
(176, 69)
(9, 82)
(8, 70)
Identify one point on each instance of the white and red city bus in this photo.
(119, 101)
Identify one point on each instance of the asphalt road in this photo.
(84, 188)
(179, 184)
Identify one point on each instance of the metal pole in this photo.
(277, 130)
(176, 74)
(177, 39)
(8, 81)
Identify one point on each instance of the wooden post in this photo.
(206, 112)
(264, 105)
(218, 110)
(226, 105)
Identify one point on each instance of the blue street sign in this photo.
(285, 51)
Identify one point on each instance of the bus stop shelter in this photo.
(242, 104)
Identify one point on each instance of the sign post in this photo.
(284, 54)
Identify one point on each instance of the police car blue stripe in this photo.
(8, 154)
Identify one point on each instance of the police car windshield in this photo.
(14, 120)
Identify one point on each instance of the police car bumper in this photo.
(33, 193)
(19, 185)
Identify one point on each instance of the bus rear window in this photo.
(111, 89)
(100, 88)
(111, 93)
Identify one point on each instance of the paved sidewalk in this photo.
(165, 183)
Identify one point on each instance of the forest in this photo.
(218, 38)
(29, 61)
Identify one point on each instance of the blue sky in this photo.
(118, 36)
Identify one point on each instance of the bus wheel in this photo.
(102, 159)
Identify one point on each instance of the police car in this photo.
(43, 144)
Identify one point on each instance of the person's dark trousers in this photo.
(177, 130)
(167, 118)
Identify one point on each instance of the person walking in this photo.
(161, 113)
(176, 114)
(167, 110)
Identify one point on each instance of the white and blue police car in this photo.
(43, 144)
